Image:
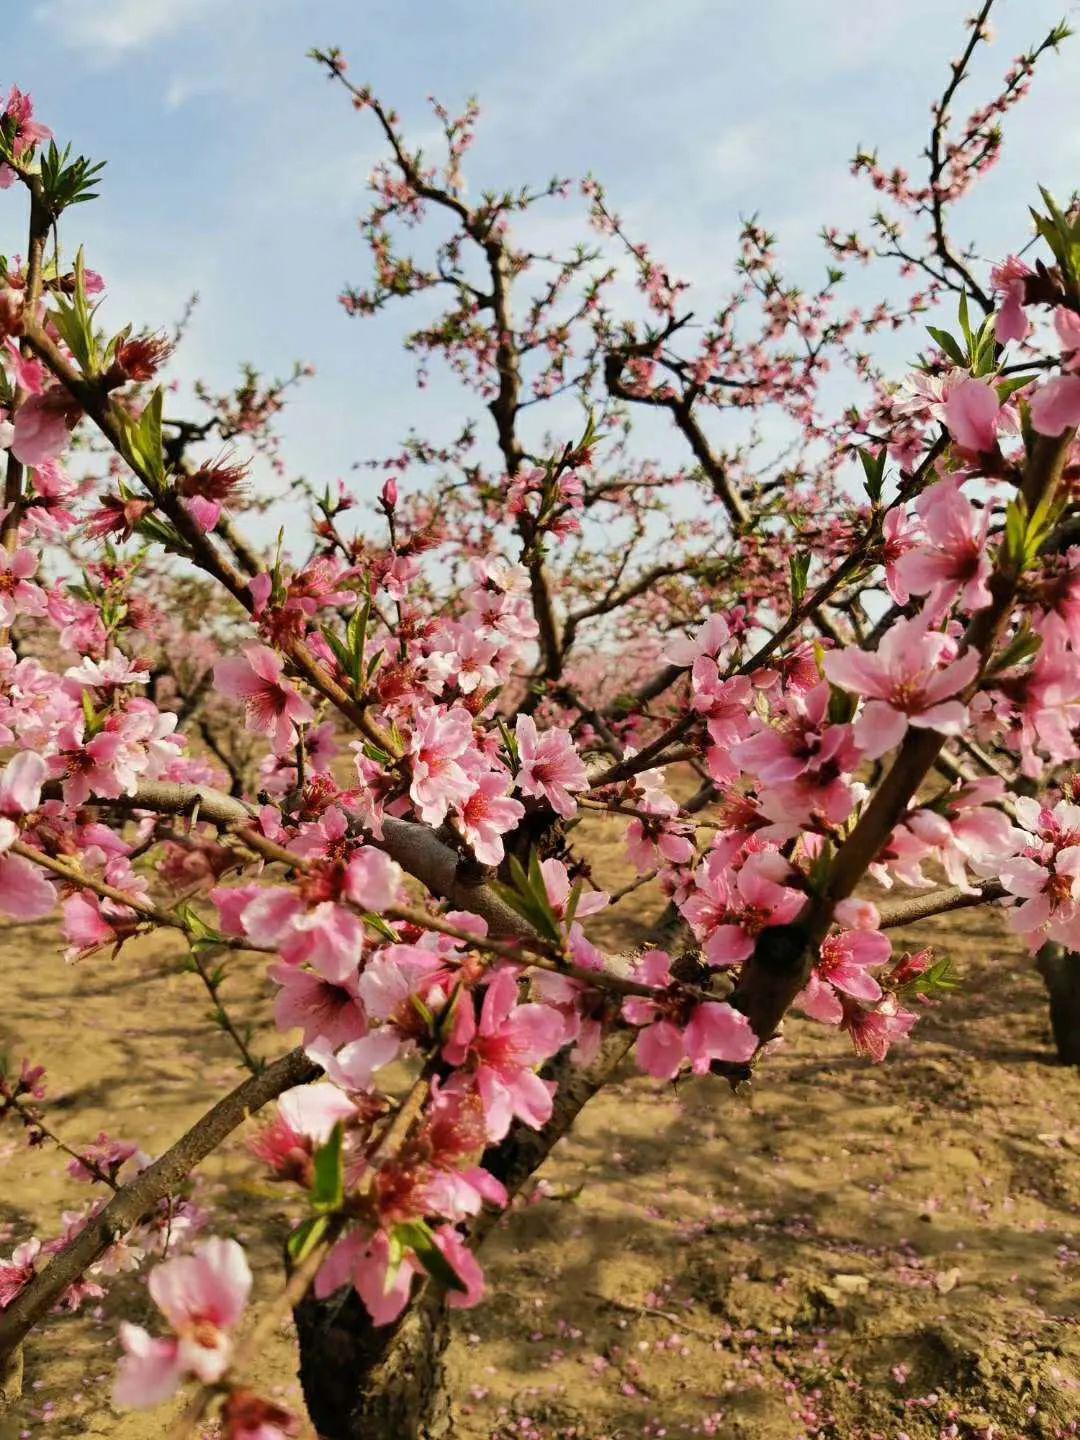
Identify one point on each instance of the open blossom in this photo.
(843, 965)
(672, 1032)
(728, 908)
(1055, 406)
(954, 562)
(104, 765)
(365, 1264)
(504, 1046)
(326, 936)
(973, 415)
(42, 427)
(18, 118)
(90, 922)
(306, 1117)
(488, 814)
(26, 893)
(439, 778)
(372, 879)
(271, 705)
(16, 1273)
(905, 683)
(1067, 325)
(18, 594)
(247, 1416)
(462, 657)
(966, 833)
(550, 766)
(806, 755)
(898, 535)
(320, 1007)
(709, 639)
(1009, 281)
(874, 1030)
(715, 1030)
(1045, 877)
(203, 1296)
(558, 888)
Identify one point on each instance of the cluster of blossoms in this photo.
(422, 719)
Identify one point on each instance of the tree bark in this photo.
(1060, 969)
(363, 1382)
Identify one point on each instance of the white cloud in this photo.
(741, 150)
(109, 30)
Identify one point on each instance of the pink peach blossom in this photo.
(202, 1296)
(905, 683)
(271, 705)
(504, 1047)
(973, 415)
(1055, 406)
(550, 766)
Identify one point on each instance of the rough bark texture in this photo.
(1060, 969)
(363, 1383)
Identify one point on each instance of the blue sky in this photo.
(236, 170)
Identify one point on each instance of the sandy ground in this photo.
(855, 1252)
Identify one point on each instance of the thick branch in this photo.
(937, 902)
(137, 1200)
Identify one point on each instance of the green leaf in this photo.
(1063, 238)
(424, 1012)
(819, 869)
(1024, 644)
(144, 442)
(356, 640)
(417, 1236)
(1016, 519)
(305, 1237)
(197, 927)
(572, 904)
(799, 568)
(74, 319)
(984, 359)
(1025, 535)
(328, 1186)
(154, 528)
(842, 706)
(946, 342)
(1009, 386)
(381, 928)
(92, 719)
(63, 184)
(527, 895)
(962, 316)
(874, 470)
(939, 979)
(340, 649)
(509, 739)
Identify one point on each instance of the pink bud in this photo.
(389, 493)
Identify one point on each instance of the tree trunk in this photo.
(1060, 969)
(363, 1382)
